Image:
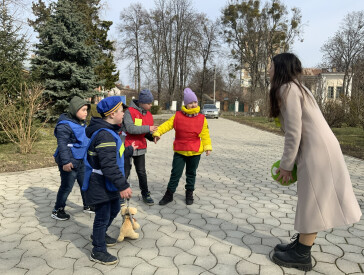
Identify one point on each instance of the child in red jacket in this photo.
(192, 139)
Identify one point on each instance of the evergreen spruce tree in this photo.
(12, 54)
(105, 69)
(63, 60)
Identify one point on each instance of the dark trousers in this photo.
(67, 181)
(178, 165)
(139, 162)
(105, 213)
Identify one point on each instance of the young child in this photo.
(138, 125)
(105, 182)
(72, 142)
(191, 140)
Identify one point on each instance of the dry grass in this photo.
(351, 138)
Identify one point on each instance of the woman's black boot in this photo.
(285, 247)
(189, 197)
(167, 198)
(298, 256)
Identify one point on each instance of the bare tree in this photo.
(154, 47)
(208, 45)
(177, 19)
(343, 50)
(255, 34)
(131, 29)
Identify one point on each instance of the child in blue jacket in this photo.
(72, 142)
(105, 181)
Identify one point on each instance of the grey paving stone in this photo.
(207, 262)
(85, 270)
(17, 271)
(190, 269)
(184, 258)
(348, 266)
(224, 269)
(142, 269)
(166, 271)
(162, 261)
(239, 215)
(326, 268)
(246, 267)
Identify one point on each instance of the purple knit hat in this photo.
(189, 96)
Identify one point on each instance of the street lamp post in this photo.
(214, 81)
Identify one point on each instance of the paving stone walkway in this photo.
(239, 215)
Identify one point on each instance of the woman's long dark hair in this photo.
(287, 68)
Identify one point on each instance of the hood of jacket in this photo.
(97, 123)
(135, 104)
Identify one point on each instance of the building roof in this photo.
(312, 71)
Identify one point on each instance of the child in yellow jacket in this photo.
(191, 140)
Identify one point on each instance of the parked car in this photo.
(210, 110)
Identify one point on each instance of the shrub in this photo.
(18, 117)
(155, 110)
(4, 138)
(334, 113)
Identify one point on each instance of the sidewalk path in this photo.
(239, 215)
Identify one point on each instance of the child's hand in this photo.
(208, 153)
(134, 146)
(156, 139)
(68, 167)
(126, 194)
(284, 175)
(153, 128)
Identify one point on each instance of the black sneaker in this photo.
(59, 214)
(148, 199)
(103, 258)
(89, 209)
(108, 240)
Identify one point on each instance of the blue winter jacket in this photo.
(101, 155)
(65, 136)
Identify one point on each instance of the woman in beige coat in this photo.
(325, 194)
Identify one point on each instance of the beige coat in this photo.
(325, 193)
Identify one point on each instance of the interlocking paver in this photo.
(238, 216)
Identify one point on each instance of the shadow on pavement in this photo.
(71, 230)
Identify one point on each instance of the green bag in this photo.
(275, 176)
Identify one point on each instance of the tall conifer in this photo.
(63, 61)
(12, 54)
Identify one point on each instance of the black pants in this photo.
(139, 162)
(178, 165)
(105, 213)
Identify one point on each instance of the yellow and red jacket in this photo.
(192, 133)
(139, 119)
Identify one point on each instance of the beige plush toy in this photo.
(129, 224)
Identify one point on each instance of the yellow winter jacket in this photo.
(204, 135)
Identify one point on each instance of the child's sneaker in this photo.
(148, 199)
(89, 209)
(59, 214)
(103, 258)
(110, 241)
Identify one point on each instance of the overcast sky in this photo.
(322, 19)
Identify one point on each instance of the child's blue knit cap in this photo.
(110, 104)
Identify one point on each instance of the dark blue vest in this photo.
(119, 158)
(80, 147)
